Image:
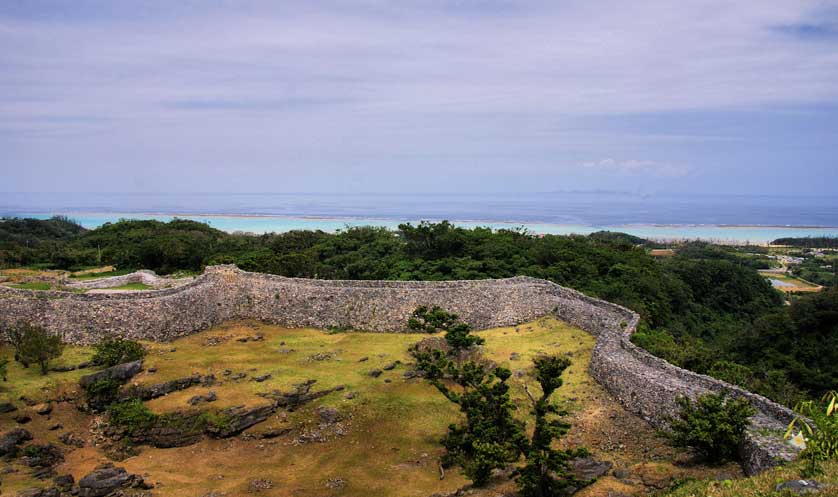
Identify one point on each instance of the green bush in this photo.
(714, 426)
(113, 351)
(132, 415)
(101, 393)
(3, 369)
(431, 320)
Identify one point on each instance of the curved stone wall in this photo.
(644, 384)
(143, 276)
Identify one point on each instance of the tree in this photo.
(40, 347)
(547, 470)
(714, 425)
(491, 437)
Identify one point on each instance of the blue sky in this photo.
(419, 95)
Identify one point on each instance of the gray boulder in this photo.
(10, 440)
(120, 373)
(107, 480)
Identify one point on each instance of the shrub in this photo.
(820, 432)
(38, 346)
(3, 369)
(113, 351)
(132, 415)
(714, 426)
(101, 393)
(431, 320)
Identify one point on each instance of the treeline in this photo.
(24, 242)
(696, 307)
(809, 242)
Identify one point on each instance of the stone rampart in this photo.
(644, 384)
(144, 276)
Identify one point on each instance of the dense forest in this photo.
(705, 308)
(809, 242)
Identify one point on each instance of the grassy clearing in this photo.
(96, 273)
(762, 485)
(790, 283)
(393, 425)
(32, 285)
(131, 286)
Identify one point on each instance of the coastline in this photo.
(188, 215)
(265, 223)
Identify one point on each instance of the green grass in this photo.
(761, 485)
(32, 285)
(131, 286)
(94, 276)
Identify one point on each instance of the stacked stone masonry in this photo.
(644, 384)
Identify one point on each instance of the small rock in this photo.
(801, 487)
(335, 483)
(10, 440)
(389, 367)
(21, 419)
(260, 484)
(152, 370)
(388, 380)
(620, 473)
(262, 378)
(274, 433)
(328, 415)
(363, 359)
(107, 480)
(197, 399)
(514, 356)
(7, 407)
(43, 409)
(70, 438)
(56, 426)
(375, 373)
(226, 372)
(411, 373)
(350, 395)
(588, 468)
(64, 482)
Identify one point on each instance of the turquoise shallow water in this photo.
(757, 219)
(279, 224)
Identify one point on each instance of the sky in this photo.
(419, 96)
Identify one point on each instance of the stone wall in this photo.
(644, 384)
(146, 277)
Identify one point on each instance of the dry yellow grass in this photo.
(391, 445)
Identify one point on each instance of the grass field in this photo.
(31, 285)
(391, 427)
(131, 286)
(790, 283)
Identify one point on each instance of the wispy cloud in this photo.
(637, 167)
(342, 88)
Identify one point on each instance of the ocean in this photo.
(723, 218)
